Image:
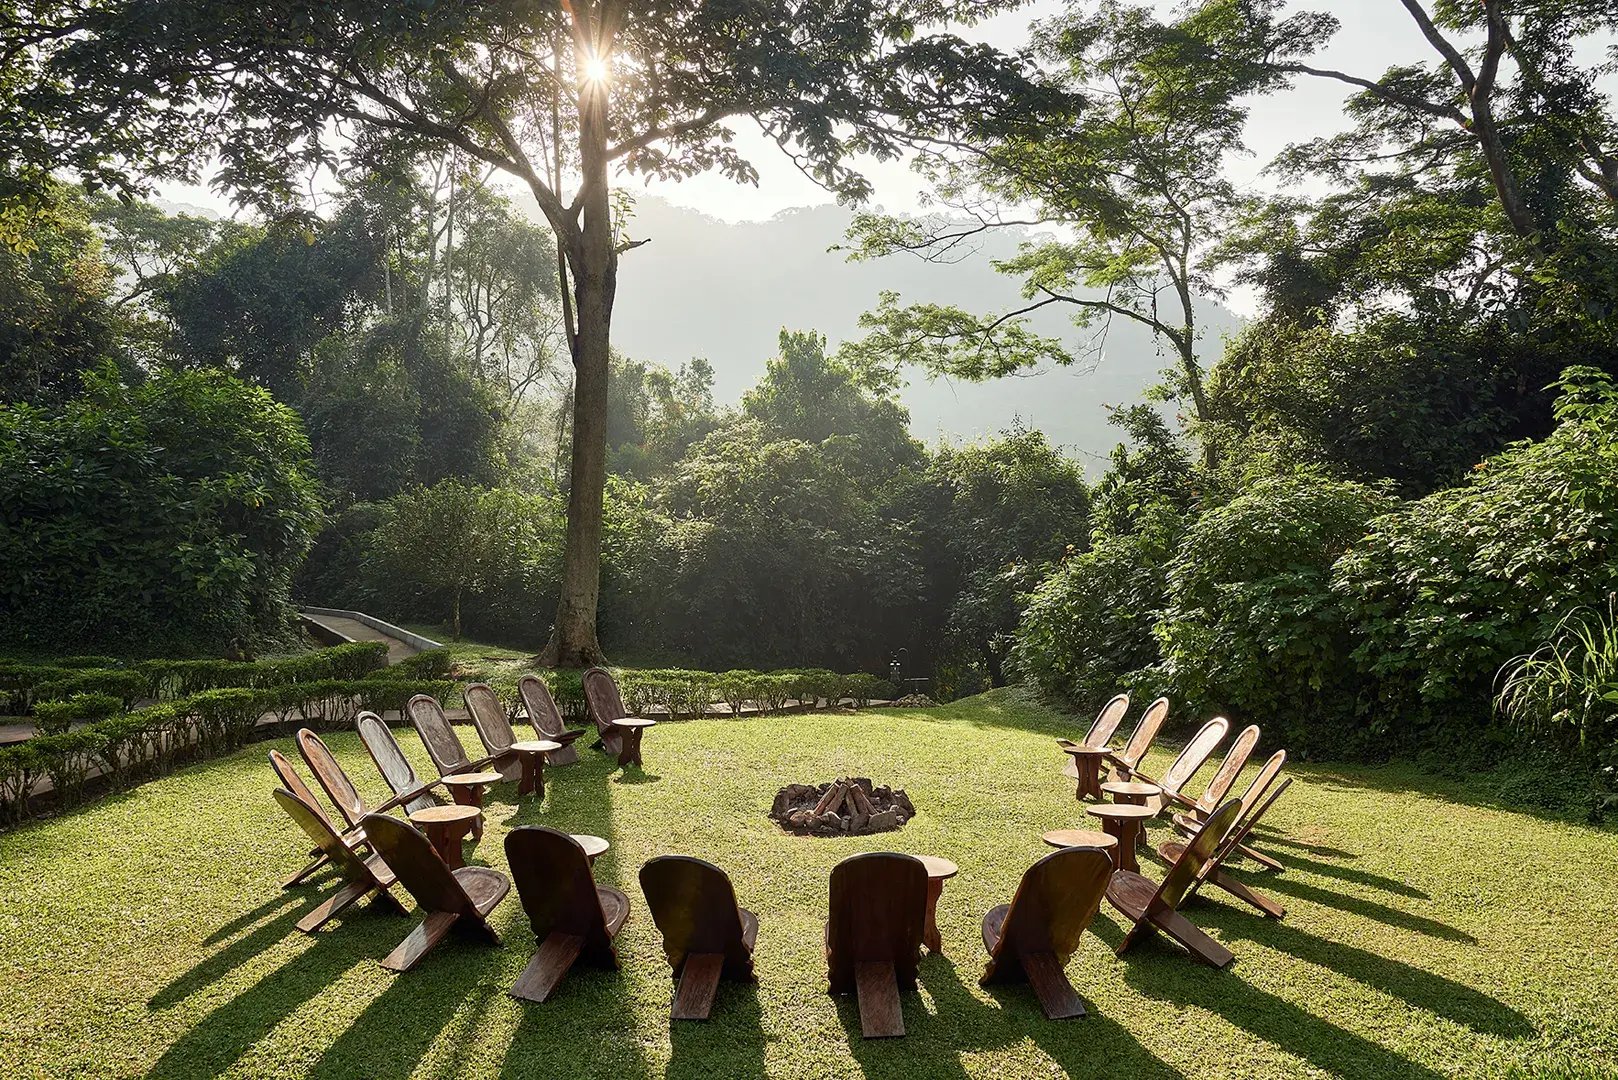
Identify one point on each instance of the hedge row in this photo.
(152, 740)
(683, 693)
(24, 686)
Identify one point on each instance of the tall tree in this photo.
(545, 93)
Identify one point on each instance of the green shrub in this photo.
(54, 717)
(125, 685)
(1252, 629)
(164, 516)
(427, 664)
(1448, 588)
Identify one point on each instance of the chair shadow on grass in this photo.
(729, 1044)
(285, 897)
(1349, 874)
(961, 1022)
(1367, 909)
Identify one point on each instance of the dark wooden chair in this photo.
(706, 935)
(877, 913)
(1031, 939)
(438, 735)
(1192, 757)
(546, 719)
(361, 876)
(391, 762)
(289, 778)
(494, 729)
(449, 899)
(1127, 760)
(571, 915)
(1106, 723)
(1255, 803)
(1156, 907)
(335, 782)
(617, 732)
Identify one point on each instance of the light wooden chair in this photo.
(449, 899)
(494, 729)
(877, 912)
(1106, 723)
(1241, 748)
(706, 934)
(1255, 803)
(361, 876)
(1156, 907)
(413, 793)
(1127, 760)
(289, 778)
(546, 719)
(1031, 939)
(618, 732)
(1192, 757)
(571, 915)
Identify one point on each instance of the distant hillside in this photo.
(703, 287)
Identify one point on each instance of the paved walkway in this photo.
(355, 630)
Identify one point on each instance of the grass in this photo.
(1427, 936)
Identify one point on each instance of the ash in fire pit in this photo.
(849, 805)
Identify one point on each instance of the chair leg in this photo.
(1140, 927)
(420, 941)
(334, 905)
(1200, 945)
(1237, 889)
(1056, 995)
(876, 985)
(1260, 858)
(699, 982)
(298, 878)
(629, 754)
(546, 970)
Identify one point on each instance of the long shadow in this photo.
(269, 907)
(730, 1044)
(229, 958)
(1358, 877)
(1265, 835)
(1412, 985)
(1367, 909)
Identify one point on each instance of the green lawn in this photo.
(148, 935)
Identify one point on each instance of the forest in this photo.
(1382, 519)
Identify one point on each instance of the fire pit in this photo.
(850, 805)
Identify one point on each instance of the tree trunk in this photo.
(594, 262)
(992, 661)
(455, 614)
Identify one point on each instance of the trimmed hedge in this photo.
(684, 693)
(152, 740)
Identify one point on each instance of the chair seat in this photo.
(994, 924)
(749, 928)
(614, 908)
(565, 737)
(1130, 893)
(484, 887)
(633, 722)
(1171, 850)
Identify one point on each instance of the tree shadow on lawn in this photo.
(961, 1022)
(729, 1045)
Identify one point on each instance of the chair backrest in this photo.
(1055, 903)
(877, 912)
(1107, 721)
(290, 780)
(1229, 769)
(1195, 753)
(489, 717)
(694, 906)
(557, 889)
(416, 865)
(312, 821)
(390, 760)
(1140, 741)
(602, 698)
(1254, 803)
(1187, 869)
(331, 777)
(443, 745)
(541, 707)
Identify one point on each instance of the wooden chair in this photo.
(1129, 758)
(1156, 907)
(706, 935)
(438, 735)
(1255, 803)
(290, 780)
(1031, 939)
(1191, 758)
(877, 912)
(572, 916)
(546, 719)
(335, 782)
(1107, 721)
(493, 728)
(1229, 769)
(360, 876)
(1187, 823)
(448, 898)
(617, 732)
(391, 762)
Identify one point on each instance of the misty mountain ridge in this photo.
(706, 287)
